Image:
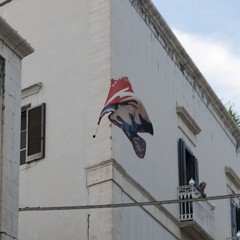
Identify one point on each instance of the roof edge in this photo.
(186, 64)
(13, 40)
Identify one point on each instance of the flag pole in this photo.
(94, 135)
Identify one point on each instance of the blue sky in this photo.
(209, 31)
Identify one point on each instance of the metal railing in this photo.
(202, 212)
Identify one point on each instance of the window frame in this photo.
(235, 217)
(184, 171)
(23, 149)
(41, 140)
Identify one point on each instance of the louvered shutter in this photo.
(187, 165)
(36, 133)
(233, 217)
(238, 218)
(181, 162)
(196, 179)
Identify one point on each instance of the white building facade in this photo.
(13, 48)
(79, 47)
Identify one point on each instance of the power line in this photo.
(8, 235)
(5, 2)
(135, 204)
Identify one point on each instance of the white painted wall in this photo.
(10, 135)
(72, 61)
(161, 86)
(138, 224)
(79, 45)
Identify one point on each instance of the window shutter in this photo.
(36, 133)
(233, 217)
(187, 164)
(181, 162)
(238, 218)
(196, 171)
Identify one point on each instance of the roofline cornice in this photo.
(13, 40)
(186, 64)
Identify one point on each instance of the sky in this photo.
(210, 33)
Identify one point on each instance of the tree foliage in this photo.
(234, 114)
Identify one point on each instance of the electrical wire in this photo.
(5, 2)
(8, 235)
(134, 204)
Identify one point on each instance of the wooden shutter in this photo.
(181, 162)
(238, 218)
(187, 164)
(233, 206)
(196, 179)
(36, 133)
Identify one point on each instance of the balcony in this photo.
(196, 218)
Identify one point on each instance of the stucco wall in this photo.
(72, 61)
(10, 95)
(158, 82)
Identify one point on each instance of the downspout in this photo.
(2, 63)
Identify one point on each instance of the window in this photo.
(32, 142)
(2, 69)
(23, 137)
(235, 217)
(188, 165)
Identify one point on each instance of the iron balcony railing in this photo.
(200, 212)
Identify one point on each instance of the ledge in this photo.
(111, 170)
(188, 120)
(232, 176)
(195, 230)
(33, 89)
(13, 40)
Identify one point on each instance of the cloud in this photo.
(218, 63)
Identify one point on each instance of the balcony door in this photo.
(188, 164)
